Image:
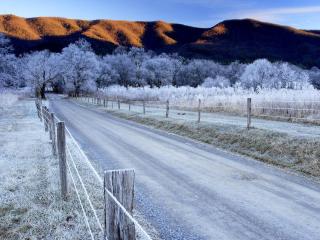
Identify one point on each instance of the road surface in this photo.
(189, 190)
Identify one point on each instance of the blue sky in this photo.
(204, 13)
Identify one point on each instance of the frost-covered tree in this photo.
(158, 71)
(107, 74)
(233, 72)
(41, 69)
(264, 74)
(194, 73)
(80, 67)
(258, 74)
(218, 81)
(139, 56)
(314, 75)
(124, 69)
(8, 65)
(5, 45)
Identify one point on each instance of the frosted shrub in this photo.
(274, 102)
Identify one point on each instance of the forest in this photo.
(78, 69)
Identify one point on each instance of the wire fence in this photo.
(105, 214)
(290, 111)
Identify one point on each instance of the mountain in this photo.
(244, 40)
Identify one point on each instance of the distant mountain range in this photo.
(244, 40)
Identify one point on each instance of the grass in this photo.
(298, 154)
(285, 104)
(30, 202)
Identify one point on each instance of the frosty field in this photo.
(30, 203)
(281, 104)
(289, 145)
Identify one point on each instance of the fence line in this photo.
(49, 122)
(261, 110)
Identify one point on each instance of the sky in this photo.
(303, 14)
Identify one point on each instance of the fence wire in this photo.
(303, 111)
(99, 179)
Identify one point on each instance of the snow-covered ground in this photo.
(30, 203)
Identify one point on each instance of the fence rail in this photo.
(117, 186)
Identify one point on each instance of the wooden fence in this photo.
(118, 185)
(166, 105)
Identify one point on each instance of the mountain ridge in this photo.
(230, 40)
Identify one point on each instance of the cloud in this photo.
(276, 14)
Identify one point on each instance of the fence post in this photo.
(53, 134)
(119, 183)
(50, 124)
(248, 113)
(40, 110)
(167, 109)
(104, 102)
(61, 139)
(118, 104)
(129, 105)
(44, 115)
(144, 107)
(199, 110)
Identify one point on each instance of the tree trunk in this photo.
(42, 91)
(77, 91)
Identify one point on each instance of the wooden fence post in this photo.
(61, 139)
(117, 225)
(45, 121)
(199, 110)
(50, 124)
(144, 107)
(40, 110)
(129, 105)
(167, 109)
(53, 134)
(249, 113)
(104, 102)
(118, 104)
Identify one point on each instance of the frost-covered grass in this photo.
(282, 148)
(30, 202)
(287, 103)
(7, 99)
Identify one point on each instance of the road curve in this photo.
(189, 190)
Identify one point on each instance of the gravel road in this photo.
(189, 190)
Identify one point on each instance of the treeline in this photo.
(77, 68)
